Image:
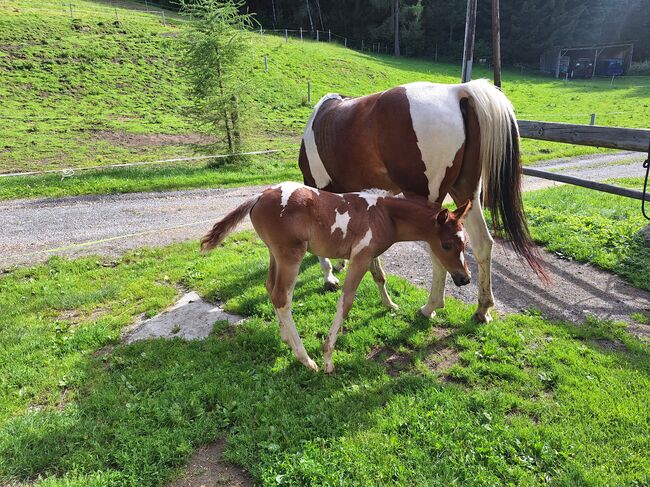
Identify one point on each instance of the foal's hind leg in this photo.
(331, 282)
(358, 267)
(286, 272)
(379, 276)
(481, 241)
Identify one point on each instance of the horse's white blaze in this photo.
(316, 166)
(362, 244)
(462, 259)
(461, 235)
(288, 188)
(438, 126)
(341, 222)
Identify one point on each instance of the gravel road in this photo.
(33, 230)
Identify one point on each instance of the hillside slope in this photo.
(89, 89)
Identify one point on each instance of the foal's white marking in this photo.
(461, 235)
(316, 166)
(288, 189)
(362, 244)
(438, 126)
(341, 221)
(462, 259)
(372, 195)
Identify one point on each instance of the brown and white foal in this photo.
(292, 219)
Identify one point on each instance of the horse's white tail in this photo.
(501, 167)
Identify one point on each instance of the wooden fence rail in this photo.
(594, 135)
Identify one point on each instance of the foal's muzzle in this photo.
(460, 279)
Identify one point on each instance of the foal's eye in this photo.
(446, 246)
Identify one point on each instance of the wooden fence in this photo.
(637, 140)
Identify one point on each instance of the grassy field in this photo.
(593, 227)
(90, 91)
(521, 401)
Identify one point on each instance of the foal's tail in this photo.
(227, 224)
(502, 168)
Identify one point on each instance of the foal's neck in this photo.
(413, 219)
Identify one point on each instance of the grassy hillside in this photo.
(92, 90)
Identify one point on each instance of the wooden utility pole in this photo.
(396, 18)
(496, 43)
(468, 52)
(311, 22)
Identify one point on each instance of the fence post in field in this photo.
(286, 36)
(70, 9)
(361, 44)
(116, 17)
(593, 119)
(308, 91)
(329, 35)
(164, 21)
(301, 34)
(261, 32)
(146, 4)
(379, 48)
(345, 42)
(317, 38)
(266, 64)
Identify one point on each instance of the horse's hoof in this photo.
(310, 364)
(331, 286)
(428, 312)
(329, 367)
(392, 306)
(482, 317)
(339, 266)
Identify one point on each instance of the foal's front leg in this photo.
(357, 268)
(437, 294)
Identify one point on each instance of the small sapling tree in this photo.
(215, 48)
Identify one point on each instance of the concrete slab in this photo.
(190, 318)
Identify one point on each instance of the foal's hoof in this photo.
(428, 312)
(329, 367)
(392, 306)
(339, 266)
(482, 317)
(331, 285)
(310, 364)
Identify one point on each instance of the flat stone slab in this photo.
(190, 318)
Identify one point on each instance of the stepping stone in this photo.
(190, 318)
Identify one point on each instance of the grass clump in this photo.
(529, 401)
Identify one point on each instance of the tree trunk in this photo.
(225, 110)
(396, 27)
(320, 15)
(311, 22)
(234, 116)
(274, 18)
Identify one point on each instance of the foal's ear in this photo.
(461, 211)
(443, 216)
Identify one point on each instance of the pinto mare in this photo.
(430, 140)
(292, 219)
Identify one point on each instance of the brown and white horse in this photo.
(429, 140)
(292, 219)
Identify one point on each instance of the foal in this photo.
(292, 219)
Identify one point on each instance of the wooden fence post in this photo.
(308, 91)
(362, 45)
(163, 18)
(329, 35)
(301, 34)
(266, 64)
(70, 9)
(496, 43)
(345, 42)
(593, 119)
(468, 51)
(286, 36)
(317, 38)
(261, 33)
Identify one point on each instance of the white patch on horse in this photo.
(372, 195)
(316, 166)
(341, 221)
(362, 244)
(462, 259)
(461, 235)
(288, 188)
(438, 126)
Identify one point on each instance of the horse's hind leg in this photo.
(358, 267)
(379, 276)
(437, 293)
(481, 241)
(331, 281)
(286, 272)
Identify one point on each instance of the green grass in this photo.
(88, 92)
(593, 227)
(529, 402)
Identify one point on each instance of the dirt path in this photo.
(33, 230)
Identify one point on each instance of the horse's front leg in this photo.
(358, 267)
(379, 276)
(331, 281)
(482, 242)
(437, 294)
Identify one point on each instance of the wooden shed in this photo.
(587, 61)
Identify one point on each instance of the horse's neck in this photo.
(413, 221)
